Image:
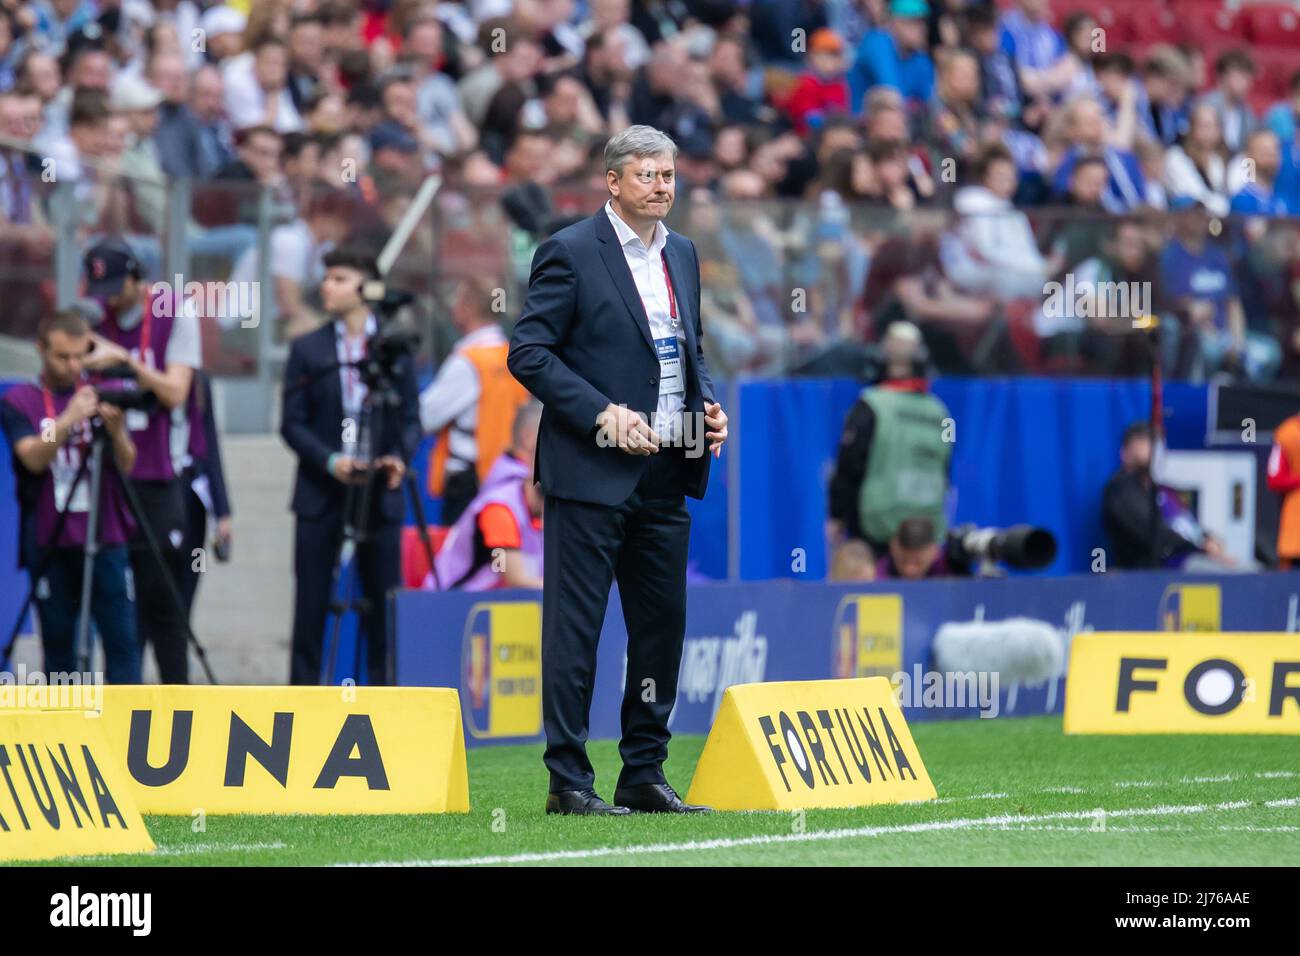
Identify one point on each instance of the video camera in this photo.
(391, 340)
(974, 550)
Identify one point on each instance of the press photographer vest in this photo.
(151, 431)
(907, 466)
(456, 560)
(499, 398)
(115, 524)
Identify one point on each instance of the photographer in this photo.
(153, 337)
(321, 421)
(49, 427)
(893, 459)
(914, 553)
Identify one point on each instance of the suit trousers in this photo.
(642, 544)
(378, 571)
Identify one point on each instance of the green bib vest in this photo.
(907, 466)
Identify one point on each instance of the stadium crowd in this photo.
(953, 159)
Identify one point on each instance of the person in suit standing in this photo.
(609, 340)
(321, 421)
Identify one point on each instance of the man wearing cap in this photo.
(895, 55)
(821, 92)
(155, 336)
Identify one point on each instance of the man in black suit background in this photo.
(322, 422)
(610, 340)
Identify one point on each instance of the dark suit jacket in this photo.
(583, 341)
(312, 425)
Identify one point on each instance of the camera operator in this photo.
(156, 336)
(914, 553)
(893, 459)
(324, 395)
(49, 426)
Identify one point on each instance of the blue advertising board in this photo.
(489, 644)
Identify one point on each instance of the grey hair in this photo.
(635, 142)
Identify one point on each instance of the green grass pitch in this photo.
(1012, 791)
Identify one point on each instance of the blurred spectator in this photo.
(1085, 133)
(730, 70)
(1234, 75)
(1045, 66)
(895, 55)
(607, 74)
(999, 84)
(1256, 173)
(992, 249)
(775, 23)
(472, 401)
(1199, 280)
(1085, 41)
(660, 99)
(223, 28)
(1115, 288)
(178, 136)
(1196, 169)
(954, 114)
(1165, 88)
(57, 20)
(307, 65)
(295, 253)
(256, 88)
(216, 137)
(822, 90)
(437, 103)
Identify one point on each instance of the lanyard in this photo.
(79, 436)
(672, 299)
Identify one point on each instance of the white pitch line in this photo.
(183, 849)
(842, 834)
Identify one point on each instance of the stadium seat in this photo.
(415, 563)
(1208, 20)
(1275, 66)
(1151, 23)
(1273, 25)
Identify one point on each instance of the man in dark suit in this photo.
(324, 421)
(609, 340)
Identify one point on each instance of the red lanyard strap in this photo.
(672, 299)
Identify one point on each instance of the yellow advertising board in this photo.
(786, 745)
(63, 791)
(1189, 683)
(323, 750)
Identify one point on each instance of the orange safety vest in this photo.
(499, 399)
(1283, 467)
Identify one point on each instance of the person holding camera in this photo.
(150, 335)
(895, 451)
(49, 424)
(324, 422)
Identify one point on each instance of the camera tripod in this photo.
(92, 467)
(358, 500)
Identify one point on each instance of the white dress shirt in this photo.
(350, 350)
(452, 398)
(648, 272)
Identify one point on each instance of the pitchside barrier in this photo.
(956, 648)
(791, 745)
(322, 750)
(1195, 684)
(65, 792)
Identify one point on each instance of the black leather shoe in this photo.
(581, 803)
(655, 798)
